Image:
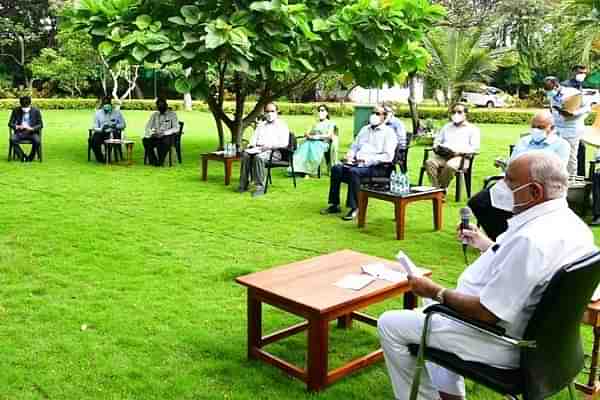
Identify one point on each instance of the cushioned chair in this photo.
(287, 161)
(174, 143)
(12, 155)
(551, 351)
(463, 174)
(118, 150)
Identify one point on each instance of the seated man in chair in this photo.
(107, 122)
(26, 124)
(542, 136)
(268, 135)
(457, 137)
(374, 145)
(502, 287)
(162, 124)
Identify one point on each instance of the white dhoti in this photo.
(397, 329)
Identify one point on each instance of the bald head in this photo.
(542, 119)
(535, 177)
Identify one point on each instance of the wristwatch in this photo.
(439, 296)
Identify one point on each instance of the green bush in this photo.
(476, 115)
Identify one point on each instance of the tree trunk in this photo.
(187, 102)
(220, 132)
(412, 103)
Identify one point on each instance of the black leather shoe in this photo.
(351, 215)
(332, 209)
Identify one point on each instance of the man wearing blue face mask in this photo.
(502, 287)
(107, 122)
(541, 136)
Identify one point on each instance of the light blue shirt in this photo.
(554, 143)
(398, 127)
(570, 127)
(114, 119)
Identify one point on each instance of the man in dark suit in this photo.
(26, 123)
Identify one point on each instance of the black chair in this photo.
(551, 351)
(463, 174)
(174, 143)
(12, 155)
(403, 153)
(287, 160)
(383, 182)
(118, 150)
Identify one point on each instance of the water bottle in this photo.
(404, 185)
(393, 182)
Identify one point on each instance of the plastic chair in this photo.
(463, 174)
(551, 351)
(11, 149)
(287, 160)
(174, 143)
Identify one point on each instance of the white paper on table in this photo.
(254, 150)
(380, 271)
(218, 152)
(354, 281)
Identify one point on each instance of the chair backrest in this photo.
(555, 326)
(293, 142)
(181, 124)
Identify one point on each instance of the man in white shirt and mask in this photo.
(375, 144)
(271, 134)
(502, 287)
(457, 137)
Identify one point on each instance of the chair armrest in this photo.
(492, 330)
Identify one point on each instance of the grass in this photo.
(118, 282)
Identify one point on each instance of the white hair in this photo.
(547, 169)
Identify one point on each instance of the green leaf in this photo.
(105, 48)
(157, 46)
(177, 21)
(99, 31)
(143, 21)
(279, 64)
(305, 64)
(191, 37)
(182, 85)
(139, 53)
(320, 25)
(168, 56)
(214, 38)
(155, 27)
(263, 6)
(188, 54)
(129, 39)
(191, 14)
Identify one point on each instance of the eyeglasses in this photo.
(458, 112)
(379, 113)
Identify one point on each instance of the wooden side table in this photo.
(400, 202)
(228, 161)
(307, 289)
(591, 317)
(112, 145)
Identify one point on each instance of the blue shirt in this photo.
(568, 127)
(398, 127)
(114, 120)
(555, 144)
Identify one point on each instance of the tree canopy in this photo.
(269, 48)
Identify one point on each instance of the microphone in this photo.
(465, 213)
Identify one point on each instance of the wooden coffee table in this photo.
(112, 145)
(306, 288)
(228, 161)
(400, 202)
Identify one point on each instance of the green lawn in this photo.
(146, 258)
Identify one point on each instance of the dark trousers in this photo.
(492, 220)
(581, 159)
(22, 137)
(98, 139)
(156, 147)
(596, 194)
(352, 176)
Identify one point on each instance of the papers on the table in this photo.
(354, 281)
(254, 150)
(421, 188)
(380, 271)
(218, 153)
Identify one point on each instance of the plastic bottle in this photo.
(393, 182)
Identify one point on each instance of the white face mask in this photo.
(26, 109)
(502, 197)
(458, 118)
(322, 115)
(374, 120)
(580, 77)
(271, 115)
(537, 135)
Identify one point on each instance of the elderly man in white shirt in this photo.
(455, 138)
(269, 135)
(502, 287)
(375, 144)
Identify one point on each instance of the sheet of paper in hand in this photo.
(409, 267)
(354, 281)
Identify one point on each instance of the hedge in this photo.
(481, 116)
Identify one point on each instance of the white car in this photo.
(488, 96)
(591, 96)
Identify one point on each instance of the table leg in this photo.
(594, 365)
(345, 321)
(204, 168)
(410, 301)
(438, 207)
(108, 149)
(130, 153)
(254, 323)
(400, 212)
(363, 202)
(318, 341)
(228, 163)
